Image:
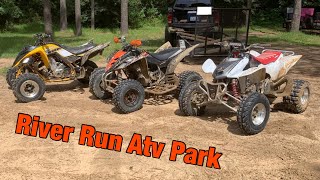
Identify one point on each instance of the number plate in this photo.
(193, 18)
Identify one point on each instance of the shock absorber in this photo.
(234, 87)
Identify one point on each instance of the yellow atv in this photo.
(47, 62)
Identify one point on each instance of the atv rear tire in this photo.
(129, 96)
(253, 113)
(28, 87)
(89, 66)
(299, 99)
(187, 77)
(11, 76)
(95, 85)
(187, 107)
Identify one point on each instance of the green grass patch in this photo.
(11, 42)
(3, 71)
(151, 34)
(280, 36)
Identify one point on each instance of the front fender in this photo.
(40, 51)
(22, 53)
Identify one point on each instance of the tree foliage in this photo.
(107, 12)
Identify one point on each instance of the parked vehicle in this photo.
(47, 62)
(133, 75)
(182, 14)
(310, 18)
(247, 83)
(127, 50)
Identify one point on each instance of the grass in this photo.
(280, 36)
(12, 41)
(3, 71)
(152, 35)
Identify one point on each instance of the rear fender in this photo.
(93, 52)
(174, 63)
(165, 46)
(289, 62)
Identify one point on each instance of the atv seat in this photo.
(165, 54)
(80, 49)
(268, 57)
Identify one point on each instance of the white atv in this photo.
(247, 82)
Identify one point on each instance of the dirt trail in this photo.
(289, 148)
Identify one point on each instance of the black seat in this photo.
(165, 54)
(80, 49)
(163, 57)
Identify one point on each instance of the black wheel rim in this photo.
(131, 98)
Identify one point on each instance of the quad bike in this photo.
(50, 62)
(127, 50)
(247, 83)
(138, 72)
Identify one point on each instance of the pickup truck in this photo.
(182, 14)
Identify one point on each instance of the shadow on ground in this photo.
(221, 114)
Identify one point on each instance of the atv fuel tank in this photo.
(222, 71)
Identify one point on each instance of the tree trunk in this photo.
(296, 16)
(78, 18)
(47, 17)
(63, 15)
(124, 17)
(92, 15)
(249, 6)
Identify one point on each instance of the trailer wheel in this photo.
(129, 96)
(171, 37)
(188, 98)
(253, 113)
(299, 99)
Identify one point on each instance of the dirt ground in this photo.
(289, 148)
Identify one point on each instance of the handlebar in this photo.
(42, 36)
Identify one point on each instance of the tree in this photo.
(249, 6)
(296, 16)
(124, 17)
(78, 18)
(92, 14)
(63, 15)
(47, 17)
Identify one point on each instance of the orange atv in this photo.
(138, 72)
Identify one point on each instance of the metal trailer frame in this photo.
(206, 41)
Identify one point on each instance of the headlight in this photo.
(27, 61)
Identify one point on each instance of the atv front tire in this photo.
(89, 66)
(95, 85)
(28, 87)
(187, 77)
(11, 76)
(253, 113)
(186, 100)
(299, 99)
(129, 96)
